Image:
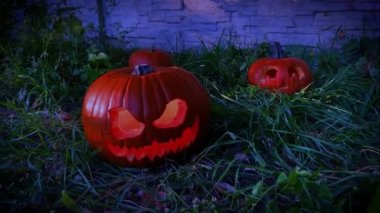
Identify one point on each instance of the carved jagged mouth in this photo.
(156, 149)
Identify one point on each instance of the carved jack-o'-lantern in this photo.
(287, 75)
(153, 57)
(138, 116)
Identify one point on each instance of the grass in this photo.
(317, 150)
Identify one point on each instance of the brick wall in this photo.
(179, 24)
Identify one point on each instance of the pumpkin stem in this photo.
(276, 50)
(142, 69)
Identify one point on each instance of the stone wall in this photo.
(179, 24)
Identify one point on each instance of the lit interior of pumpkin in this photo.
(157, 149)
(124, 125)
(173, 115)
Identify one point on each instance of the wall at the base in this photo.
(178, 24)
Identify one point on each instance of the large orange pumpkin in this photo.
(153, 57)
(137, 116)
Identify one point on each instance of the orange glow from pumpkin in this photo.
(173, 115)
(157, 149)
(124, 125)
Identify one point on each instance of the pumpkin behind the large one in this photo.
(152, 57)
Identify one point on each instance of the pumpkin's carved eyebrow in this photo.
(124, 125)
(174, 114)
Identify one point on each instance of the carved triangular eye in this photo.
(173, 115)
(124, 125)
(271, 73)
(270, 78)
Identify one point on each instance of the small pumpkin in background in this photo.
(286, 75)
(153, 57)
(139, 116)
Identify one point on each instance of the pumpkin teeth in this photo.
(132, 154)
(173, 147)
(149, 150)
(157, 149)
(160, 149)
(116, 149)
(181, 144)
(130, 157)
(139, 154)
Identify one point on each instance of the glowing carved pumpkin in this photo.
(287, 75)
(153, 57)
(138, 116)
